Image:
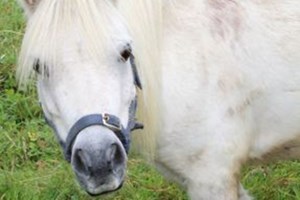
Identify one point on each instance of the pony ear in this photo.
(29, 6)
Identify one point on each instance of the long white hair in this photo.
(144, 19)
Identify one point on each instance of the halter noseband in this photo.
(108, 121)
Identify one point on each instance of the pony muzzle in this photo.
(98, 160)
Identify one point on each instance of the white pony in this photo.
(221, 85)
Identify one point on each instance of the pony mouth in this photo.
(105, 192)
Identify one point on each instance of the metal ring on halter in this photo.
(107, 122)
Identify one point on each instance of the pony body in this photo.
(226, 95)
(221, 84)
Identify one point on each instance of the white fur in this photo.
(222, 85)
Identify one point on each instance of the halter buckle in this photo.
(111, 123)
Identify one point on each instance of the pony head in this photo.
(82, 55)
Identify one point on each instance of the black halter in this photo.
(106, 120)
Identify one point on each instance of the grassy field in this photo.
(32, 165)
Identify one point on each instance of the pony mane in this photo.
(144, 19)
(52, 19)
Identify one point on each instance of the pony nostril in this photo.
(112, 151)
(116, 154)
(80, 162)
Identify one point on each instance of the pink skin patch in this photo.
(226, 18)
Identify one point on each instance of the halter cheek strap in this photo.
(135, 73)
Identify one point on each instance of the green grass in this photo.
(32, 165)
(280, 181)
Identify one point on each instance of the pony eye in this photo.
(125, 55)
(40, 68)
(36, 66)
